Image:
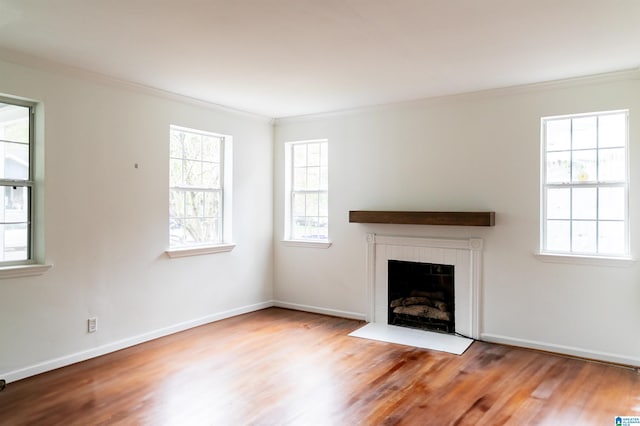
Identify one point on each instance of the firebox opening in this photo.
(421, 295)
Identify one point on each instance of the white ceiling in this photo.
(292, 57)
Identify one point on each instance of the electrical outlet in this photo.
(92, 325)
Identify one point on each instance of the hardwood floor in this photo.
(281, 367)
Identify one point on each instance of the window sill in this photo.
(307, 244)
(198, 251)
(19, 271)
(585, 260)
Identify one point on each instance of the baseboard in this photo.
(53, 364)
(563, 350)
(320, 310)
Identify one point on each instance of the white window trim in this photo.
(582, 258)
(288, 178)
(34, 265)
(197, 251)
(227, 244)
(324, 244)
(579, 259)
(19, 271)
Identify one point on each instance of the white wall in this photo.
(470, 152)
(106, 223)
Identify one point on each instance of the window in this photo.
(16, 182)
(199, 195)
(307, 182)
(585, 185)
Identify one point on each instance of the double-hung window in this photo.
(16, 182)
(198, 195)
(307, 191)
(585, 185)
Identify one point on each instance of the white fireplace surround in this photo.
(464, 254)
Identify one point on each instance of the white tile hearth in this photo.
(413, 337)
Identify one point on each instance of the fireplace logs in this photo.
(431, 307)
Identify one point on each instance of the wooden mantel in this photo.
(423, 218)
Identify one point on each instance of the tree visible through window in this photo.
(307, 187)
(196, 187)
(585, 184)
(16, 181)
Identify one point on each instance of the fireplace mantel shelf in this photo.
(423, 218)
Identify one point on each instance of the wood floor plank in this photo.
(281, 367)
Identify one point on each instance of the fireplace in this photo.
(461, 259)
(421, 295)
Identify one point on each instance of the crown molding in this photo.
(43, 64)
(601, 78)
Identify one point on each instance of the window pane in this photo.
(194, 204)
(313, 154)
(312, 204)
(299, 204)
(584, 166)
(322, 230)
(299, 226)
(559, 203)
(612, 165)
(558, 167)
(299, 155)
(192, 173)
(313, 178)
(192, 231)
(611, 205)
(558, 236)
(583, 236)
(612, 130)
(15, 161)
(210, 175)
(193, 146)
(299, 178)
(209, 229)
(14, 123)
(211, 149)
(16, 205)
(558, 135)
(15, 242)
(212, 204)
(611, 238)
(584, 133)
(585, 203)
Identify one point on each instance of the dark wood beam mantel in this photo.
(423, 218)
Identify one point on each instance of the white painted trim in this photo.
(371, 276)
(473, 284)
(320, 310)
(197, 251)
(307, 244)
(620, 75)
(52, 364)
(561, 349)
(620, 262)
(447, 243)
(26, 60)
(20, 271)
